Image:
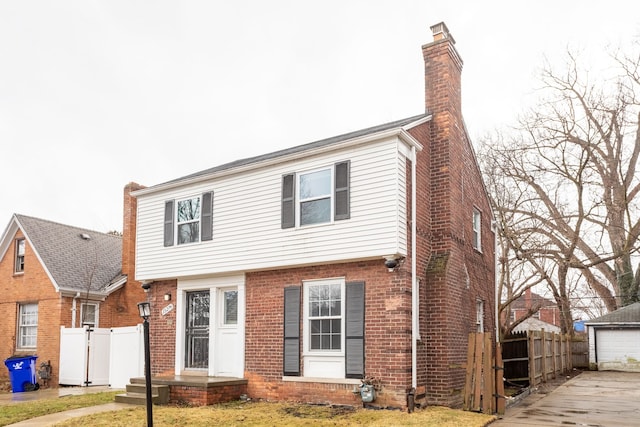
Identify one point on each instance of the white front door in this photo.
(210, 325)
(226, 343)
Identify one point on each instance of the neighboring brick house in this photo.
(542, 308)
(54, 275)
(369, 254)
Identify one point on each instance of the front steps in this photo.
(137, 394)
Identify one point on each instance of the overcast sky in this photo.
(96, 94)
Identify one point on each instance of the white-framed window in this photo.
(323, 328)
(479, 315)
(476, 224)
(188, 220)
(314, 197)
(27, 326)
(19, 265)
(89, 313)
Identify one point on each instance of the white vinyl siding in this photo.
(248, 218)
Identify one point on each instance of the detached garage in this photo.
(614, 340)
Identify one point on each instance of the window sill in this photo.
(321, 380)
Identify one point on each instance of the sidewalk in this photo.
(51, 419)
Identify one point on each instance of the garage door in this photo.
(618, 349)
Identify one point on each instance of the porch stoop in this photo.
(194, 390)
(137, 394)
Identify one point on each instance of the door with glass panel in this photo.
(197, 330)
(226, 345)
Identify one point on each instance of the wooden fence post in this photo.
(532, 359)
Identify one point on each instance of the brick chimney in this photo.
(443, 69)
(442, 75)
(129, 217)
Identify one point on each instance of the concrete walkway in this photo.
(593, 399)
(51, 419)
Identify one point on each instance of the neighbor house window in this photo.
(479, 316)
(316, 197)
(477, 218)
(89, 314)
(27, 325)
(188, 220)
(19, 256)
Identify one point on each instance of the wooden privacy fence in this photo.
(484, 386)
(535, 357)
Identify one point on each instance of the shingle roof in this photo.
(628, 314)
(74, 262)
(304, 147)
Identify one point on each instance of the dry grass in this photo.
(15, 412)
(281, 414)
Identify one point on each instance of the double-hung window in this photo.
(27, 326)
(476, 221)
(317, 196)
(89, 314)
(330, 326)
(19, 267)
(188, 220)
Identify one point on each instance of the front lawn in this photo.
(282, 414)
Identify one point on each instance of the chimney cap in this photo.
(440, 32)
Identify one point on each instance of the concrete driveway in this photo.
(593, 399)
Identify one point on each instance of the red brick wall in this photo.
(33, 286)
(455, 275)
(387, 332)
(162, 330)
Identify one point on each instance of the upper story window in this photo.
(316, 197)
(19, 267)
(188, 220)
(477, 220)
(89, 314)
(27, 325)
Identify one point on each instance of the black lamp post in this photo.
(145, 311)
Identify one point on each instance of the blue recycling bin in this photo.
(22, 373)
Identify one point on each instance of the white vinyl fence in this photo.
(101, 356)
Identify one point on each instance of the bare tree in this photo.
(567, 191)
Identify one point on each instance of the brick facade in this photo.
(452, 276)
(56, 310)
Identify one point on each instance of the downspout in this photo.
(415, 332)
(73, 310)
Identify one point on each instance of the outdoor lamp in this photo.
(145, 310)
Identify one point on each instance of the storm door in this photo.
(197, 330)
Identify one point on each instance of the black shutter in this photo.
(168, 223)
(354, 330)
(342, 202)
(291, 358)
(207, 216)
(288, 201)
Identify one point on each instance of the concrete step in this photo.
(136, 394)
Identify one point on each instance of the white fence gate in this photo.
(101, 356)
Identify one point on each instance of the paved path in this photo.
(51, 419)
(58, 417)
(591, 399)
